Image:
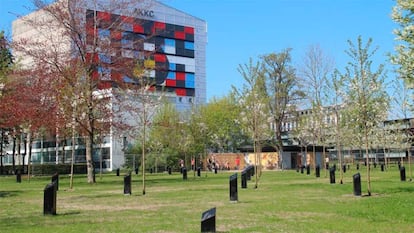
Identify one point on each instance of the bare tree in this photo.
(315, 71)
(254, 114)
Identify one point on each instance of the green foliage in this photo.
(223, 132)
(282, 90)
(6, 58)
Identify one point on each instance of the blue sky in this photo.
(242, 29)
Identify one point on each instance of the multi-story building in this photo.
(170, 41)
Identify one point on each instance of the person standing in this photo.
(237, 162)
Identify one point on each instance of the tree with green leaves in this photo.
(281, 91)
(164, 133)
(220, 116)
(366, 98)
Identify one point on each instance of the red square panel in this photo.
(160, 57)
(189, 30)
(138, 28)
(179, 35)
(159, 25)
(180, 92)
(170, 83)
(180, 76)
(104, 16)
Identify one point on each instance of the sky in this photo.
(242, 29)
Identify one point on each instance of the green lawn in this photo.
(285, 201)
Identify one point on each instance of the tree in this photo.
(137, 104)
(315, 71)
(402, 14)
(254, 116)
(282, 92)
(401, 102)
(6, 62)
(336, 124)
(366, 98)
(220, 117)
(164, 132)
(73, 45)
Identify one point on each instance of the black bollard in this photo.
(208, 220)
(318, 171)
(402, 173)
(199, 171)
(136, 171)
(55, 178)
(382, 167)
(117, 172)
(233, 187)
(184, 171)
(244, 179)
(252, 170)
(248, 173)
(344, 168)
(169, 170)
(18, 177)
(332, 175)
(307, 170)
(49, 199)
(127, 185)
(357, 184)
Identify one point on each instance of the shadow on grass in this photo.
(405, 189)
(69, 213)
(9, 193)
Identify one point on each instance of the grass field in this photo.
(285, 201)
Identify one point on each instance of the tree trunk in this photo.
(409, 164)
(368, 165)
(29, 163)
(14, 154)
(89, 159)
(1, 152)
